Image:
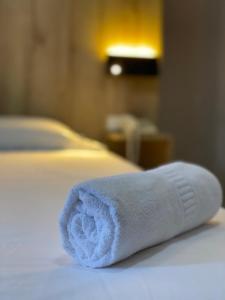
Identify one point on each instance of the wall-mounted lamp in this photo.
(126, 60)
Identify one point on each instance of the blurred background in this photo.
(54, 57)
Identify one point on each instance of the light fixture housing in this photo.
(132, 65)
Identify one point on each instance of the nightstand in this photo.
(155, 149)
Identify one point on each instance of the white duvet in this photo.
(33, 265)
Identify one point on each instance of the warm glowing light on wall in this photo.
(140, 51)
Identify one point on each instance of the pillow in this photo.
(34, 133)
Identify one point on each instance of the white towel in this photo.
(108, 219)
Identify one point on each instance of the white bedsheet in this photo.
(33, 188)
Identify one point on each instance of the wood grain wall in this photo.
(52, 62)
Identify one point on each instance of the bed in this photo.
(34, 183)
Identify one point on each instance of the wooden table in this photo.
(155, 149)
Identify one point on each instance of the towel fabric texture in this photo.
(108, 219)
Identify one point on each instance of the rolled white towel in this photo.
(108, 219)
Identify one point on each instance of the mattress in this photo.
(33, 265)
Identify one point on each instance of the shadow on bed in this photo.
(175, 250)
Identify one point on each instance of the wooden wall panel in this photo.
(14, 50)
(51, 59)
